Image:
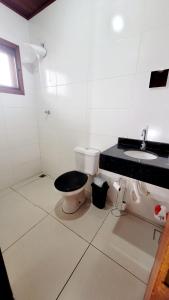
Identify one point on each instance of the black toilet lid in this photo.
(70, 181)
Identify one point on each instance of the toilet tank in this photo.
(87, 160)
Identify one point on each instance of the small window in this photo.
(11, 80)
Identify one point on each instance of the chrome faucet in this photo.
(144, 135)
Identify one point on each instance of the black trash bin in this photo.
(99, 194)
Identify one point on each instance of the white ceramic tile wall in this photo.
(19, 141)
(95, 78)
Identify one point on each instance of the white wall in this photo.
(95, 80)
(65, 28)
(19, 142)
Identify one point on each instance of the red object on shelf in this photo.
(157, 209)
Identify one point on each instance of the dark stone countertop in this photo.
(154, 171)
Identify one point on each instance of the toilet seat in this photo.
(72, 185)
(70, 181)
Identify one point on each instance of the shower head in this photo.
(33, 52)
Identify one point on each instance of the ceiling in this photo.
(27, 8)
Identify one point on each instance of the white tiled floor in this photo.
(89, 255)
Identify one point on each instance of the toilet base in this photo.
(72, 203)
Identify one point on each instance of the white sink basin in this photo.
(140, 154)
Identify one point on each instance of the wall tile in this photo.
(19, 157)
(6, 171)
(156, 14)
(114, 57)
(111, 93)
(67, 43)
(154, 50)
(117, 19)
(102, 142)
(58, 156)
(117, 122)
(21, 126)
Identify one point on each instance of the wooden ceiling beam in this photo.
(27, 8)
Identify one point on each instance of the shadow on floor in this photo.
(80, 212)
(136, 232)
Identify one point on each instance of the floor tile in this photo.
(17, 216)
(3, 192)
(129, 241)
(40, 263)
(97, 277)
(41, 192)
(85, 222)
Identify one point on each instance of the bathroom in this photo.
(87, 67)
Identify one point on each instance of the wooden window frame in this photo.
(15, 49)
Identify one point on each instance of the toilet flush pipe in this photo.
(143, 189)
(137, 188)
(136, 191)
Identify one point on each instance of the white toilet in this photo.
(72, 184)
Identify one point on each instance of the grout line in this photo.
(111, 257)
(108, 255)
(90, 244)
(60, 222)
(47, 215)
(26, 183)
(37, 116)
(35, 205)
(139, 52)
(31, 228)
(90, 80)
(100, 227)
(72, 272)
(119, 264)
